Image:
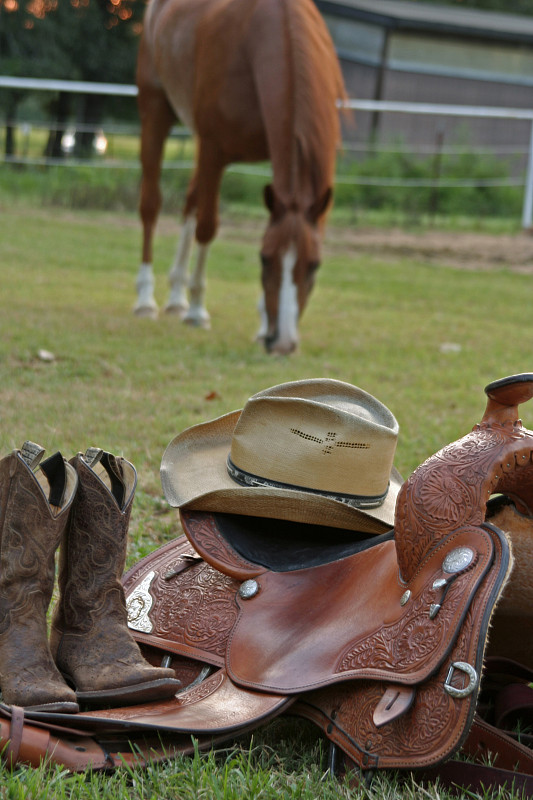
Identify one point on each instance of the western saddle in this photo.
(381, 641)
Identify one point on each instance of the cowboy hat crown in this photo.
(318, 451)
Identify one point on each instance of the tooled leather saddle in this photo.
(379, 640)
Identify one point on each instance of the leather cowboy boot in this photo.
(90, 638)
(34, 510)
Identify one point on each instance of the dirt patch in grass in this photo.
(474, 251)
(464, 250)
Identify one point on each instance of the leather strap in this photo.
(458, 776)
(512, 702)
(12, 750)
(514, 770)
(513, 763)
(484, 740)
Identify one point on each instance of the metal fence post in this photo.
(527, 209)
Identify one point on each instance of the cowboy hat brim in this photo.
(194, 476)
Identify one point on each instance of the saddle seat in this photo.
(353, 617)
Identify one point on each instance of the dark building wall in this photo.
(499, 134)
(478, 67)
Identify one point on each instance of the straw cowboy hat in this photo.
(316, 451)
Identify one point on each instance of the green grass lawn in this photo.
(425, 339)
(128, 384)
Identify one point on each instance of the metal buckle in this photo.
(472, 685)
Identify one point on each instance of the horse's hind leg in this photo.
(197, 314)
(181, 284)
(157, 119)
(178, 275)
(205, 198)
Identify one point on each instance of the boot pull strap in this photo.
(112, 467)
(94, 456)
(54, 469)
(31, 454)
(505, 395)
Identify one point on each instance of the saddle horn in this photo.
(504, 397)
(450, 490)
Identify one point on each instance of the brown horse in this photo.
(254, 80)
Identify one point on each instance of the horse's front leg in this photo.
(262, 332)
(157, 119)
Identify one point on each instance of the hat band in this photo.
(354, 500)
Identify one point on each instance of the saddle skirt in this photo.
(379, 640)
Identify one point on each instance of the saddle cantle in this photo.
(380, 640)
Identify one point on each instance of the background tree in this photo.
(100, 38)
(86, 40)
(28, 48)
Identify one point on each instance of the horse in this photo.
(254, 80)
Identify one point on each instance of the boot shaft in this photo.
(93, 553)
(90, 638)
(34, 507)
(35, 503)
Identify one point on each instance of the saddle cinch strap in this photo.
(380, 641)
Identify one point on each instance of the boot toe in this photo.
(46, 695)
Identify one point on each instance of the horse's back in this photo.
(226, 64)
(166, 53)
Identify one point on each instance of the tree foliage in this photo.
(91, 40)
(86, 40)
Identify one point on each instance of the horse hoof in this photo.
(197, 321)
(176, 310)
(148, 312)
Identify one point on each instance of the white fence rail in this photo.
(77, 87)
(488, 112)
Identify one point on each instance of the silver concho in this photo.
(458, 559)
(248, 589)
(138, 604)
(405, 597)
